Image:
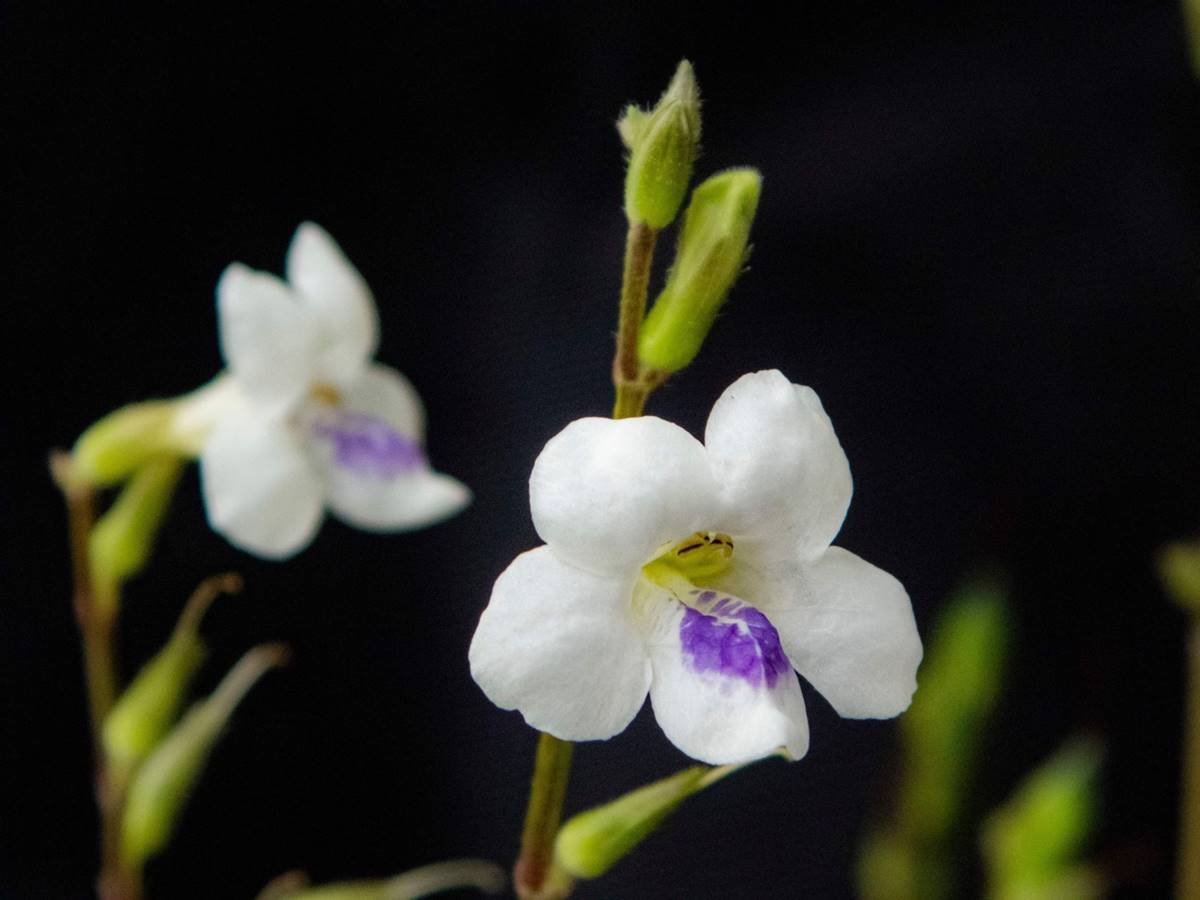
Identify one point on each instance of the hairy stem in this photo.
(547, 791)
(635, 281)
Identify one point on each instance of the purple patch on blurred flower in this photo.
(369, 446)
(735, 642)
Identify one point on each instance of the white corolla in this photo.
(701, 574)
(303, 419)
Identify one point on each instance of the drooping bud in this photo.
(124, 440)
(476, 874)
(149, 706)
(160, 789)
(663, 144)
(713, 248)
(120, 543)
(592, 842)
(1179, 570)
(1032, 843)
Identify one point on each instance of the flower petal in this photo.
(783, 472)
(384, 393)
(723, 690)
(267, 338)
(260, 489)
(559, 645)
(848, 627)
(329, 286)
(607, 493)
(402, 503)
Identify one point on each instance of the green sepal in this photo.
(714, 245)
(123, 441)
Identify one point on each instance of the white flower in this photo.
(701, 574)
(303, 418)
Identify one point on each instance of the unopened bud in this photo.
(663, 144)
(149, 706)
(1035, 838)
(160, 789)
(121, 541)
(592, 842)
(713, 248)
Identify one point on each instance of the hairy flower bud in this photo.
(663, 144)
(713, 248)
(127, 438)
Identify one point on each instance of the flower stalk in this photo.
(632, 387)
(1188, 874)
(97, 631)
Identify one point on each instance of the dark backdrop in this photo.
(976, 241)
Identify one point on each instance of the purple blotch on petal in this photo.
(742, 644)
(369, 446)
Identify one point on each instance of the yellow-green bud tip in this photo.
(714, 245)
(663, 144)
(592, 842)
(1179, 570)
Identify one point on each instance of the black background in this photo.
(976, 241)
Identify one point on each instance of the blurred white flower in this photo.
(701, 574)
(303, 419)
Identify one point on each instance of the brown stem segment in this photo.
(547, 791)
(1188, 875)
(96, 620)
(635, 282)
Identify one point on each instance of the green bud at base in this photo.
(712, 252)
(592, 842)
(663, 145)
(160, 789)
(146, 710)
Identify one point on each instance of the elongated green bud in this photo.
(713, 248)
(121, 541)
(150, 705)
(663, 144)
(912, 855)
(124, 440)
(160, 789)
(593, 841)
(1032, 843)
(1179, 570)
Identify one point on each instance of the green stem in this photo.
(547, 791)
(1188, 869)
(95, 616)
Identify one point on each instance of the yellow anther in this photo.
(325, 393)
(703, 555)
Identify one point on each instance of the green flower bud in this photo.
(712, 252)
(160, 789)
(592, 842)
(913, 853)
(663, 144)
(1032, 842)
(1179, 570)
(149, 706)
(120, 543)
(124, 440)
